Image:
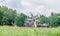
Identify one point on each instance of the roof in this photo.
(37, 21)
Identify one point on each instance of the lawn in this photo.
(28, 31)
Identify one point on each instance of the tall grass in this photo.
(25, 31)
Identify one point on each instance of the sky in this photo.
(42, 7)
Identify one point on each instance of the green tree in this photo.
(10, 16)
(42, 19)
(1, 17)
(54, 20)
(7, 16)
(20, 19)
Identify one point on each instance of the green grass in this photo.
(24, 31)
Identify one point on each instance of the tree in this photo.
(42, 19)
(10, 16)
(54, 20)
(20, 19)
(1, 17)
(7, 16)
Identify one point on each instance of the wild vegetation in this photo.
(10, 17)
(28, 31)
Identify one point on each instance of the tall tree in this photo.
(42, 19)
(20, 19)
(7, 15)
(54, 20)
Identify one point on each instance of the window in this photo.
(29, 20)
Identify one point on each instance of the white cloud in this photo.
(13, 4)
(35, 10)
(25, 3)
(34, 6)
(48, 2)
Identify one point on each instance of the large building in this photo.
(34, 22)
(30, 22)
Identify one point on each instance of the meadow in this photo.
(28, 31)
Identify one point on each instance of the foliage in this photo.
(1, 17)
(10, 17)
(54, 20)
(20, 19)
(43, 19)
(7, 16)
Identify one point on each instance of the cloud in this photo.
(44, 7)
(10, 3)
(36, 10)
(25, 3)
(47, 2)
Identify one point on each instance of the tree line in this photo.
(11, 18)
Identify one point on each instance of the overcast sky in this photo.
(44, 7)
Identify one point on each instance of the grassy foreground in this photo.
(24, 31)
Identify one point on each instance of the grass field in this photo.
(24, 31)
